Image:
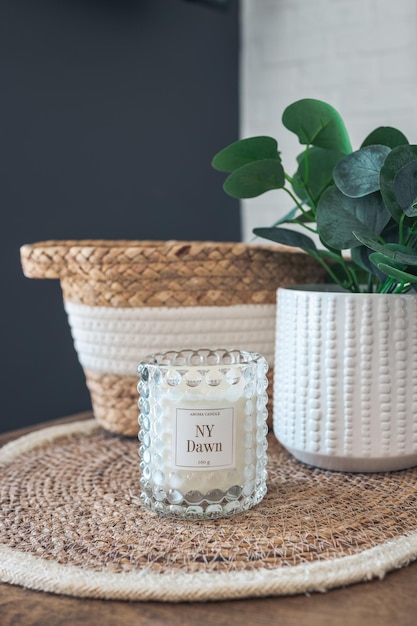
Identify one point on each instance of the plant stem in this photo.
(332, 275)
(350, 274)
(400, 287)
(306, 177)
(387, 285)
(306, 172)
(298, 203)
(304, 225)
(369, 286)
(401, 229)
(411, 233)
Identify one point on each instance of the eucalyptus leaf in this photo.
(395, 161)
(395, 251)
(405, 188)
(287, 237)
(369, 241)
(385, 136)
(339, 217)
(357, 174)
(255, 178)
(403, 254)
(314, 173)
(364, 201)
(317, 123)
(400, 275)
(379, 259)
(245, 151)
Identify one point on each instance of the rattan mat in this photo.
(71, 522)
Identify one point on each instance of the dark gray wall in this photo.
(111, 111)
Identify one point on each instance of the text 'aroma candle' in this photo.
(203, 432)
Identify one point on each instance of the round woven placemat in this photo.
(71, 522)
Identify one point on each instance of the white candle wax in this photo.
(208, 442)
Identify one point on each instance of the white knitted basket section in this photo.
(114, 340)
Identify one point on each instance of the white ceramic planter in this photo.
(345, 386)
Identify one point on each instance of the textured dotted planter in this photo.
(345, 385)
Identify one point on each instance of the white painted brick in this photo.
(359, 55)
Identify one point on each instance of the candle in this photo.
(202, 432)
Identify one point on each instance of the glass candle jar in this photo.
(203, 432)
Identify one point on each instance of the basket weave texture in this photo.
(71, 522)
(168, 275)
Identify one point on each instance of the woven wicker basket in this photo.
(125, 299)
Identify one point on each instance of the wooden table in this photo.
(392, 601)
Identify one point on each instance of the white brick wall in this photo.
(358, 55)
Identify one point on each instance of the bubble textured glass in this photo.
(203, 446)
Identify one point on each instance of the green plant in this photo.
(364, 201)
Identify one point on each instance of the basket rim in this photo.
(162, 244)
(94, 258)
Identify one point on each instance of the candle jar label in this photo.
(204, 438)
